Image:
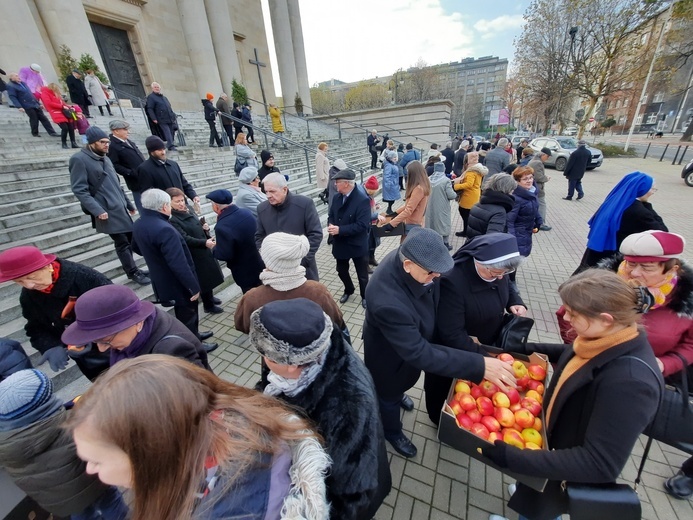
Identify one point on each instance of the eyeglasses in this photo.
(498, 273)
(106, 341)
(104, 141)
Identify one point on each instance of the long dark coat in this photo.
(126, 158)
(638, 217)
(170, 264)
(206, 266)
(343, 404)
(523, 218)
(235, 233)
(591, 428)
(354, 221)
(159, 109)
(577, 163)
(152, 173)
(78, 92)
(490, 214)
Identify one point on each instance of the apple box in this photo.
(465, 441)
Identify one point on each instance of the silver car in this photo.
(561, 147)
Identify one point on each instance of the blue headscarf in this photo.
(606, 222)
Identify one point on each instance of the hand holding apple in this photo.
(499, 373)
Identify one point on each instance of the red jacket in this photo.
(54, 105)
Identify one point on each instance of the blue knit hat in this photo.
(24, 392)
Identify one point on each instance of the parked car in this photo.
(571, 130)
(515, 140)
(561, 147)
(687, 174)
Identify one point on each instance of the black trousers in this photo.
(436, 391)
(167, 129)
(374, 159)
(186, 313)
(390, 414)
(65, 130)
(251, 134)
(85, 109)
(123, 247)
(464, 213)
(36, 115)
(213, 134)
(108, 107)
(229, 132)
(361, 266)
(207, 298)
(236, 130)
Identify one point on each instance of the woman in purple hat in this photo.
(115, 319)
(50, 286)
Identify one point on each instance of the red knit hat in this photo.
(371, 183)
(20, 261)
(652, 246)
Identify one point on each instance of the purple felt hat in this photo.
(104, 311)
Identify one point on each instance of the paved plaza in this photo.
(441, 483)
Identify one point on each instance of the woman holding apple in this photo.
(590, 432)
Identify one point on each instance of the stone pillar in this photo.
(286, 62)
(66, 24)
(219, 20)
(198, 38)
(21, 43)
(299, 55)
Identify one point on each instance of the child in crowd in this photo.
(372, 186)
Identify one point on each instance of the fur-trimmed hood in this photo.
(681, 301)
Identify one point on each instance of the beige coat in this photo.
(95, 89)
(322, 169)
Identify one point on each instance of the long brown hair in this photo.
(417, 176)
(157, 408)
(56, 90)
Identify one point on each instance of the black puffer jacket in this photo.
(343, 404)
(42, 460)
(490, 214)
(210, 110)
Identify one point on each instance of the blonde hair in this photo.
(240, 138)
(322, 146)
(55, 88)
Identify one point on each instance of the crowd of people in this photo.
(309, 441)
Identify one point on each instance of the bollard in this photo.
(676, 155)
(664, 152)
(647, 150)
(684, 153)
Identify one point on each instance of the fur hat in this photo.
(277, 334)
(94, 133)
(153, 143)
(339, 164)
(371, 183)
(282, 252)
(652, 246)
(425, 247)
(479, 168)
(264, 155)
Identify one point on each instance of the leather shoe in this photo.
(144, 272)
(544, 227)
(215, 309)
(403, 446)
(407, 404)
(205, 335)
(581, 197)
(216, 300)
(679, 486)
(363, 303)
(372, 261)
(210, 347)
(566, 198)
(344, 298)
(140, 278)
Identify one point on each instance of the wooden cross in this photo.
(259, 64)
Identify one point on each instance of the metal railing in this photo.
(284, 114)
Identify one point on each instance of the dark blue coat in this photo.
(159, 109)
(523, 218)
(577, 163)
(170, 265)
(152, 173)
(12, 358)
(235, 233)
(21, 96)
(354, 221)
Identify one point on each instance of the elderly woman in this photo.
(200, 244)
(114, 318)
(399, 332)
(490, 214)
(97, 92)
(50, 286)
(390, 180)
(438, 212)
(244, 154)
(626, 210)
(468, 186)
(249, 193)
(322, 167)
(524, 218)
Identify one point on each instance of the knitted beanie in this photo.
(23, 392)
(94, 133)
(265, 155)
(153, 143)
(282, 252)
(210, 96)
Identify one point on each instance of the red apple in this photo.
(467, 402)
(476, 392)
(513, 395)
(522, 382)
(492, 425)
(464, 421)
(456, 408)
(484, 405)
(533, 394)
(488, 388)
(524, 418)
(520, 369)
(494, 436)
(536, 372)
(480, 430)
(532, 435)
(537, 424)
(514, 438)
(515, 407)
(501, 400)
(462, 386)
(506, 358)
(474, 415)
(530, 404)
(505, 417)
(537, 386)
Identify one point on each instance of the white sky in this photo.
(352, 40)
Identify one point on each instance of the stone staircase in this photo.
(38, 208)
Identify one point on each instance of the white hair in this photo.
(155, 199)
(275, 179)
(502, 142)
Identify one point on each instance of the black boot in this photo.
(372, 261)
(74, 145)
(680, 486)
(65, 145)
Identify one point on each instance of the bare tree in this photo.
(324, 101)
(366, 95)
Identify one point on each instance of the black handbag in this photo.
(674, 422)
(380, 232)
(514, 333)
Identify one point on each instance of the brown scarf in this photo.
(586, 349)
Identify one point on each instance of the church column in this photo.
(198, 38)
(299, 55)
(281, 30)
(21, 43)
(219, 19)
(66, 24)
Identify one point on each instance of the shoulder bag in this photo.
(239, 165)
(514, 333)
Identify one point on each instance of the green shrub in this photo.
(239, 93)
(611, 150)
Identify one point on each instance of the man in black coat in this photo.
(172, 270)
(348, 223)
(449, 155)
(313, 368)
(372, 142)
(159, 110)
(162, 173)
(289, 213)
(575, 170)
(126, 157)
(78, 92)
(235, 245)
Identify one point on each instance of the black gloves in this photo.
(388, 228)
(497, 453)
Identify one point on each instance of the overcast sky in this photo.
(352, 40)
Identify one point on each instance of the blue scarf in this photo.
(606, 222)
(134, 349)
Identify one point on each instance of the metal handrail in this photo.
(284, 113)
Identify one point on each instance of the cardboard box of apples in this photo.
(475, 415)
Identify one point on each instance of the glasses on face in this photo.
(104, 142)
(106, 341)
(498, 273)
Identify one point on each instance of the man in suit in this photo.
(575, 170)
(126, 157)
(169, 260)
(348, 223)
